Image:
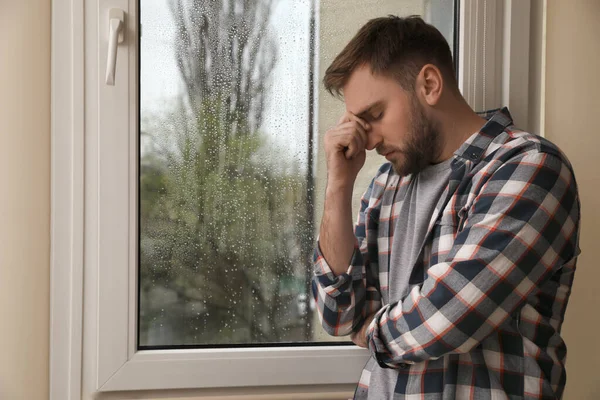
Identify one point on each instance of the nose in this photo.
(374, 139)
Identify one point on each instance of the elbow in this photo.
(336, 329)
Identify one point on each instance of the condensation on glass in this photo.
(229, 166)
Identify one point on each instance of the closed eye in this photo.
(376, 117)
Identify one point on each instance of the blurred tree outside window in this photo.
(226, 180)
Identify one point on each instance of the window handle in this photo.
(116, 20)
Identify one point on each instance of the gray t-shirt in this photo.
(416, 210)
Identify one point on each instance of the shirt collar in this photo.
(474, 147)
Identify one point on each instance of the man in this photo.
(457, 274)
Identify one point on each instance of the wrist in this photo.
(339, 187)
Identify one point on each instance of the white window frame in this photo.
(91, 183)
(493, 62)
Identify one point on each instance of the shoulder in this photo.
(513, 145)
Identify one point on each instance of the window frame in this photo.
(98, 353)
(502, 53)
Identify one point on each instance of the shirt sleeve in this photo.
(344, 301)
(521, 228)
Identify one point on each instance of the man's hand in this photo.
(345, 150)
(360, 337)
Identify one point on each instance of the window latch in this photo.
(116, 22)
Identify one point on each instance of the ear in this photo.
(430, 84)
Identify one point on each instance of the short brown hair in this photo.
(392, 46)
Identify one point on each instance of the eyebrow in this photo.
(368, 108)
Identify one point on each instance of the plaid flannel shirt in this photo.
(490, 287)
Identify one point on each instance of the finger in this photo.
(346, 117)
(361, 126)
(352, 127)
(351, 148)
(347, 132)
(362, 133)
(355, 146)
(366, 126)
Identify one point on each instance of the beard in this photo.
(423, 145)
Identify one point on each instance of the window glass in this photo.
(231, 178)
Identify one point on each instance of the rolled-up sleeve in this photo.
(521, 228)
(344, 301)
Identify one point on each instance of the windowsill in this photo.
(321, 392)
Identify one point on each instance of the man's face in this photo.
(400, 130)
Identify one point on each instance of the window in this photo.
(183, 224)
(228, 169)
(226, 176)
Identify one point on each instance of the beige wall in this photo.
(572, 99)
(572, 104)
(24, 198)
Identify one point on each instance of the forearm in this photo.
(346, 296)
(336, 237)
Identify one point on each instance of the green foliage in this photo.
(224, 226)
(222, 229)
